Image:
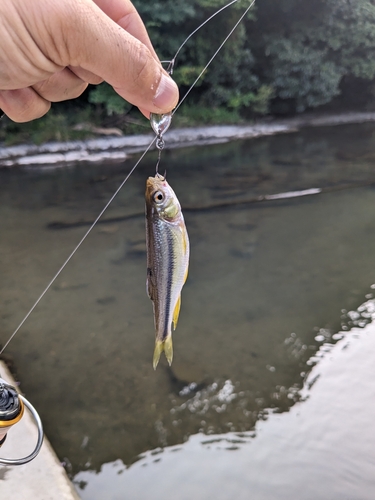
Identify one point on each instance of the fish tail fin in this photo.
(160, 346)
(168, 349)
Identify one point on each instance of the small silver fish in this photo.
(167, 260)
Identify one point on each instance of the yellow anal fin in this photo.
(176, 312)
(160, 346)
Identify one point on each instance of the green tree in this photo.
(302, 73)
(231, 74)
(294, 54)
(305, 49)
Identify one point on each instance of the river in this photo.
(271, 391)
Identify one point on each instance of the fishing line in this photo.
(136, 164)
(172, 62)
(79, 244)
(215, 54)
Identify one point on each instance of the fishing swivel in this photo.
(160, 124)
(12, 407)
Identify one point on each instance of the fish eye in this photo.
(158, 197)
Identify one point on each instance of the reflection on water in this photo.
(323, 448)
(268, 284)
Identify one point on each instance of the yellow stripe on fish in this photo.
(167, 260)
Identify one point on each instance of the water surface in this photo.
(269, 283)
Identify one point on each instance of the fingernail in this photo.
(166, 96)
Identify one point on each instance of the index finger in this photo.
(125, 15)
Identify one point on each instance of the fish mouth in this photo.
(158, 179)
(155, 183)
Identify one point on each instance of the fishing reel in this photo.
(12, 407)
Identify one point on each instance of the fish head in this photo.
(161, 197)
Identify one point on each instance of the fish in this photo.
(168, 253)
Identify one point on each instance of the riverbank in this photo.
(56, 154)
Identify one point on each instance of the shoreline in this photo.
(59, 154)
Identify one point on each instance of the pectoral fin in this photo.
(176, 312)
(150, 288)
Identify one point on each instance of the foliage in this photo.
(306, 49)
(349, 34)
(302, 73)
(199, 115)
(297, 51)
(56, 125)
(186, 75)
(167, 22)
(258, 101)
(112, 102)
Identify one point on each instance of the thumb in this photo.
(96, 43)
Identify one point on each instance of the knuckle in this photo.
(94, 80)
(60, 87)
(28, 114)
(75, 92)
(23, 105)
(37, 110)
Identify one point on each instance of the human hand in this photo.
(51, 49)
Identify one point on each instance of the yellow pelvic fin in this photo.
(160, 346)
(176, 312)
